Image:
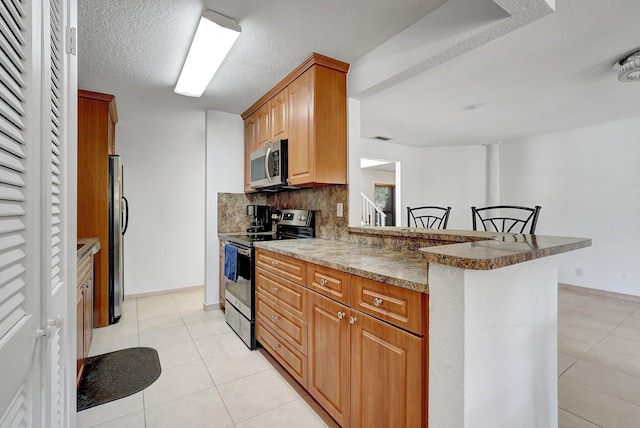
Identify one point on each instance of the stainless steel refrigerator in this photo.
(118, 221)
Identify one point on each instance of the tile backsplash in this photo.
(322, 200)
(231, 210)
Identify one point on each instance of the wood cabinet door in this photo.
(386, 375)
(250, 144)
(329, 349)
(262, 120)
(278, 115)
(301, 128)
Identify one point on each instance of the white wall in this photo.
(225, 173)
(454, 177)
(410, 169)
(161, 142)
(587, 181)
(371, 177)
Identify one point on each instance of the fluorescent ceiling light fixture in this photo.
(214, 38)
(368, 163)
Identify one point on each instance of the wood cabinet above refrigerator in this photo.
(97, 118)
(309, 108)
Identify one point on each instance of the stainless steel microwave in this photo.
(269, 166)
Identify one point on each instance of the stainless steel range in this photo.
(239, 286)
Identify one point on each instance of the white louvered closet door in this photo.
(37, 352)
(54, 272)
(20, 213)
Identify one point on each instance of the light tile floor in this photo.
(210, 379)
(598, 361)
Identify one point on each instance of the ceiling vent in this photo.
(381, 138)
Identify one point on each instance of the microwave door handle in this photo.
(266, 165)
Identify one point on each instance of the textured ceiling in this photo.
(555, 73)
(143, 43)
(415, 63)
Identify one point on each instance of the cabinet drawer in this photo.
(288, 326)
(287, 267)
(288, 294)
(292, 360)
(396, 305)
(329, 282)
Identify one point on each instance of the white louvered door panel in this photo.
(53, 214)
(20, 213)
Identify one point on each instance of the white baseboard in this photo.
(161, 292)
(612, 294)
(210, 306)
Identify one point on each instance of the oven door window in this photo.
(239, 293)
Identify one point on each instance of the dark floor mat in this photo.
(116, 375)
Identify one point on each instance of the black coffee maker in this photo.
(260, 218)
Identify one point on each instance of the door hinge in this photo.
(72, 41)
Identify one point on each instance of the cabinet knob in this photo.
(341, 315)
(352, 320)
(275, 347)
(274, 262)
(323, 281)
(274, 318)
(377, 301)
(274, 289)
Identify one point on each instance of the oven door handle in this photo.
(241, 250)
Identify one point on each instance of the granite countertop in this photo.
(409, 269)
(501, 251)
(87, 244)
(404, 269)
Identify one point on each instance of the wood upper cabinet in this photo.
(318, 128)
(279, 116)
(250, 144)
(262, 119)
(97, 118)
(329, 356)
(309, 109)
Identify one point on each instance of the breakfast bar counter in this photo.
(491, 354)
(410, 269)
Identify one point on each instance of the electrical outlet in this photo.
(579, 271)
(340, 209)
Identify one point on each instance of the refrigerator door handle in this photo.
(125, 208)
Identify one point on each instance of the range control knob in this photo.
(302, 217)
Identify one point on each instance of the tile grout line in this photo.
(580, 417)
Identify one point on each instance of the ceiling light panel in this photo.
(214, 38)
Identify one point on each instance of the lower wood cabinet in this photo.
(84, 307)
(356, 345)
(329, 356)
(387, 372)
(364, 372)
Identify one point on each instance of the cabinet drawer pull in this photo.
(274, 262)
(323, 281)
(275, 347)
(377, 301)
(341, 315)
(352, 320)
(274, 289)
(274, 318)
